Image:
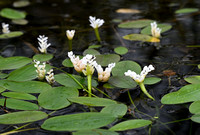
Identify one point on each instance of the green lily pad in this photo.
(18, 95)
(43, 57)
(13, 62)
(164, 27)
(11, 34)
(196, 118)
(20, 21)
(81, 121)
(135, 24)
(21, 3)
(3, 75)
(106, 59)
(123, 66)
(56, 98)
(151, 80)
(67, 63)
(193, 79)
(130, 124)
(94, 46)
(12, 13)
(186, 10)
(22, 117)
(118, 110)
(91, 101)
(2, 89)
(95, 132)
(18, 104)
(108, 86)
(186, 94)
(121, 50)
(122, 82)
(141, 37)
(195, 107)
(25, 86)
(91, 51)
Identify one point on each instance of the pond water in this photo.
(175, 51)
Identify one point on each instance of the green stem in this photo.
(97, 34)
(141, 84)
(70, 45)
(103, 92)
(12, 132)
(89, 77)
(129, 95)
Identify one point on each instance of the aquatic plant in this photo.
(155, 31)
(5, 28)
(42, 41)
(70, 36)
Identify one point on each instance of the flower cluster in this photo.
(140, 78)
(95, 23)
(40, 69)
(155, 31)
(50, 77)
(42, 41)
(5, 28)
(70, 34)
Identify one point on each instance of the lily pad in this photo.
(108, 86)
(94, 46)
(136, 24)
(18, 104)
(81, 121)
(20, 21)
(151, 80)
(106, 59)
(92, 101)
(186, 10)
(164, 27)
(95, 132)
(127, 11)
(22, 117)
(13, 62)
(121, 50)
(67, 63)
(91, 51)
(11, 34)
(195, 107)
(193, 79)
(2, 89)
(130, 124)
(141, 37)
(118, 110)
(123, 66)
(56, 98)
(186, 94)
(196, 118)
(18, 95)
(3, 75)
(43, 57)
(12, 13)
(21, 3)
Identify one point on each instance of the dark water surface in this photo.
(53, 17)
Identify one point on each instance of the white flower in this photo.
(50, 77)
(40, 69)
(70, 34)
(5, 28)
(155, 31)
(103, 76)
(42, 41)
(139, 78)
(95, 23)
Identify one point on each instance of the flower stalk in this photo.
(97, 34)
(70, 36)
(70, 45)
(141, 84)
(89, 77)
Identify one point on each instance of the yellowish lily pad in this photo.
(141, 37)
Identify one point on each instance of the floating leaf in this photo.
(91, 51)
(108, 86)
(195, 107)
(122, 82)
(11, 34)
(94, 46)
(164, 27)
(135, 24)
(67, 63)
(121, 50)
(151, 80)
(81, 121)
(130, 124)
(18, 104)
(199, 66)
(22, 117)
(106, 59)
(118, 110)
(12, 13)
(196, 118)
(91, 101)
(2, 89)
(186, 10)
(21, 3)
(186, 94)
(56, 98)
(127, 11)
(95, 132)
(43, 57)
(141, 37)
(3, 75)
(26, 86)
(18, 95)
(13, 62)
(20, 21)
(193, 79)
(123, 66)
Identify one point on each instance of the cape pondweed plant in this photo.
(50, 77)
(5, 28)
(155, 31)
(42, 41)
(40, 69)
(96, 23)
(70, 36)
(140, 78)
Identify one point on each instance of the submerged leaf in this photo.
(12, 13)
(11, 34)
(21, 3)
(127, 11)
(20, 21)
(141, 37)
(135, 24)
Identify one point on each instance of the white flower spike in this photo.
(95, 23)
(42, 41)
(139, 78)
(70, 34)
(155, 31)
(103, 76)
(50, 77)
(40, 69)
(5, 28)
